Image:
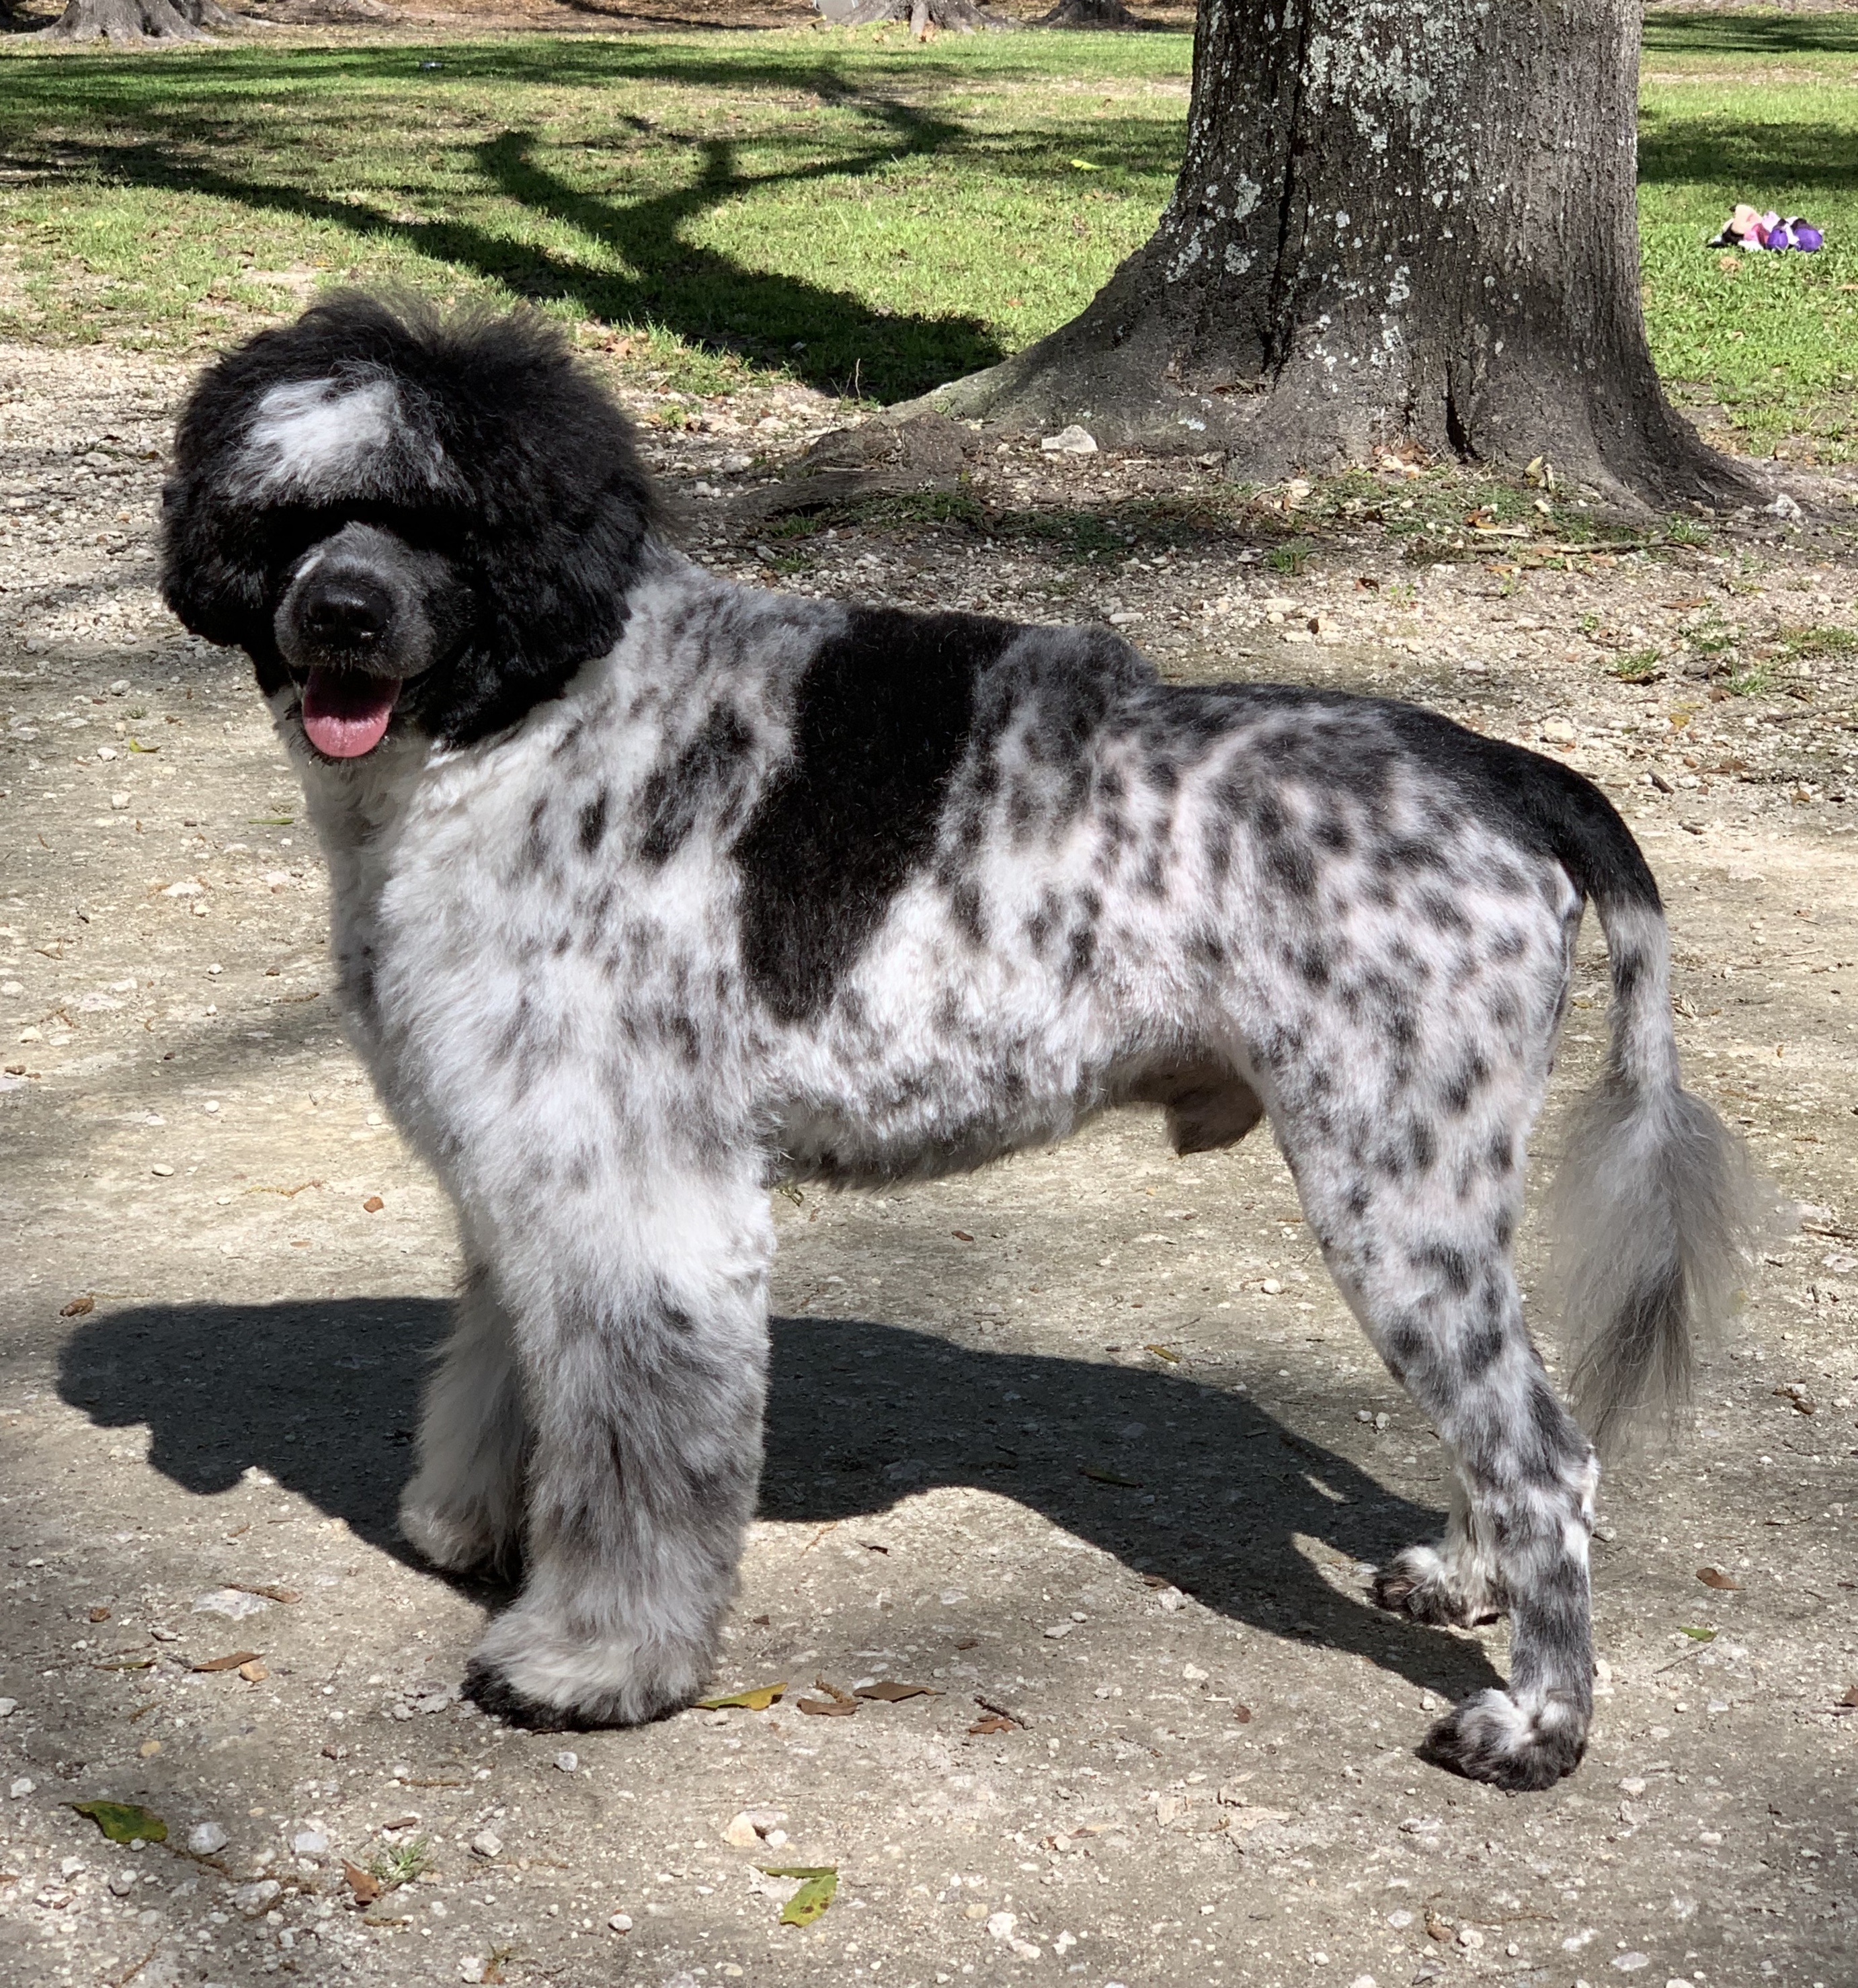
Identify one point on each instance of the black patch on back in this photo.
(880, 720)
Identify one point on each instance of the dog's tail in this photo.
(1657, 1210)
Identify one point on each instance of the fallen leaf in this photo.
(1083, 166)
(758, 1700)
(1712, 1576)
(968, 1643)
(836, 1704)
(814, 1895)
(1437, 1927)
(1697, 1635)
(254, 1672)
(124, 1822)
(961, 1235)
(99, 1614)
(1243, 1714)
(78, 1307)
(125, 1663)
(1166, 1353)
(1849, 1702)
(893, 1693)
(993, 1723)
(373, 1206)
(272, 1593)
(228, 1663)
(1097, 1474)
(365, 1885)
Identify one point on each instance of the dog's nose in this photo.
(345, 611)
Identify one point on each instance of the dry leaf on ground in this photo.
(836, 1704)
(894, 1693)
(1712, 1576)
(365, 1885)
(230, 1662)
(756, 1699)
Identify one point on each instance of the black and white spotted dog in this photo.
(652, 890)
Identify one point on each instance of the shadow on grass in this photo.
(1774, 35)
(830, 338)
(322, 1397)
(1688, 149)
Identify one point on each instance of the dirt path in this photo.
(1086, 1444)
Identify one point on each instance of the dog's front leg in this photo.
(642, 1339)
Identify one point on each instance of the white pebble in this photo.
(22, 1787)
(253, 1899)
(487, 1843)
(1630, 1963)
(310, 1842)
(1059, 1629)
(621, 1922)
(1470, 1936)
(8, 1707)
(568, 1762)
(1193, 1674)
(204, 1838)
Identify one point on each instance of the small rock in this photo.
(741, 1833)
(621, 1922)
(122, 1882)
(8, 1707)
(205, 1837)
(1632, 1785)
(1630, 1963)
(1060, 1629)
(310, 1842)
(22, 1787)
(1399, 1920)
(487, 1843)
(1072, 440)
(473, 1967)
(568, 1762)
(233, 1603)
(1193, 1674)
(1470, 1936)
(1559, 731)
(1000, 1925)
(118, 801)
(255, 1898)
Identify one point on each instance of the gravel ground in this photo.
(1086, 1445)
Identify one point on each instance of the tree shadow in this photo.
(1774, 35)
(1192, 1482)
(826, 336)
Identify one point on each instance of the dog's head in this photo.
(405, 522)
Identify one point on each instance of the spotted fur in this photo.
(657, 890)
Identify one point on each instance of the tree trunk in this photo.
(1089, 13)
(129, 22)
(1397, 222)
(955, 16)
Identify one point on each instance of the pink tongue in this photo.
(345, 713)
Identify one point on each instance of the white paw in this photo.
(530, 1670)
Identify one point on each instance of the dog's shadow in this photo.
(1185, 1481)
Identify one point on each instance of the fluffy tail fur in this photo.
(1657, 1210)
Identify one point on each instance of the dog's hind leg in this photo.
(640, 1310)
(1416, 1212)
(463, 1509)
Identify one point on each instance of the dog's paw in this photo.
(1490, 1737)
(457, 1539)
(1419, 1582)
(533, 1675)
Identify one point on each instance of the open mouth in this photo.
(346, 712)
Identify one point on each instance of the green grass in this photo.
(1761, 107)
(848, 210)
(853, 211)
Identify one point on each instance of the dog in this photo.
(652, 891)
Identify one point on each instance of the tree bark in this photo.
(954, 16)
(1105, 14)
(1397, 222)
(129, 23)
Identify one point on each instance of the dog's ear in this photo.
(563, 512)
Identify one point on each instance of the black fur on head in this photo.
(376, 495)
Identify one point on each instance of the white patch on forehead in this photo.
(314, 437)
